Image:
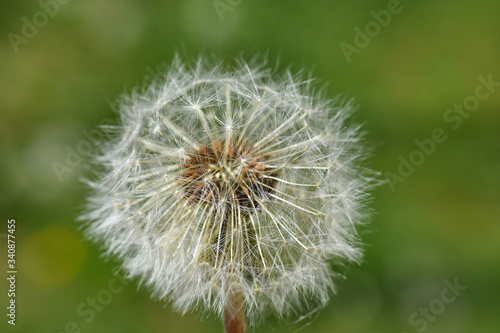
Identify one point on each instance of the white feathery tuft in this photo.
(231, 182)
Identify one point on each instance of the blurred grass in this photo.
(441, 223)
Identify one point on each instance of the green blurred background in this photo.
(441, 223)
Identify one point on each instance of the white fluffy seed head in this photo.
(231, 182)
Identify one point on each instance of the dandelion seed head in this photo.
(221, 182)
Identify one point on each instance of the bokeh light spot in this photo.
(51, 257)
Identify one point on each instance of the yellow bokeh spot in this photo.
(51, 257)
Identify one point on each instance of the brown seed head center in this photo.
(234, 175)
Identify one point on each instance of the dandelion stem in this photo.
(234, 315)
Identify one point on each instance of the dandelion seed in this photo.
(231, 191)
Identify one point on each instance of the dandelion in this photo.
(232, 191)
